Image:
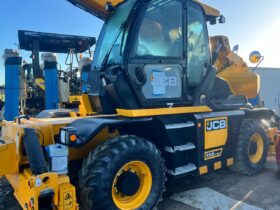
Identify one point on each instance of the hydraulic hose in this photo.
(34, 152)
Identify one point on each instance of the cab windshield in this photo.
(112, 30)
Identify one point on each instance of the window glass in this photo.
(160, 33)
(109, 32)
(198, 46)
(163, 82)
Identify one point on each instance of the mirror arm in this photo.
(254, 69)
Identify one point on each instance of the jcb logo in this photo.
(213, 125)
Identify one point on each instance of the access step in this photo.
(180, 125)
(180, 148)
(182, 171)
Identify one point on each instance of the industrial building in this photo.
(270, 88)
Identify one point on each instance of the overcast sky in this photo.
(253, 24)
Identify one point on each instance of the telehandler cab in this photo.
(161, 112)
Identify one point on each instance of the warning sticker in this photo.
(68, 200)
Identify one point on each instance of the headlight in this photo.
(63, 137)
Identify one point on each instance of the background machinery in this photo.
(32, 88)
(2, 99)
(233, 69)
(161, 110)
(278, 158)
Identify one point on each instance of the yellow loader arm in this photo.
(232, 68)
(97, 7)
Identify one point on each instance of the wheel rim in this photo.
(132, 198)
(256, 148)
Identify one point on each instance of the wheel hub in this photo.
(256, 148)
(253, 148)
(132, 185)
(128, 183)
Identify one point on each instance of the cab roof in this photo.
(55, 43)
(97, 8)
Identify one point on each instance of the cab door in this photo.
(157, 60)
(198, 46)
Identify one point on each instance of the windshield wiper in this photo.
(106, 58)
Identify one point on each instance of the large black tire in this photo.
(246, 146)
(103, 165)
(7, 199)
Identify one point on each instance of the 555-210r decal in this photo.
(213, 154)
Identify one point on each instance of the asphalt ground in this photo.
(259, 192)
(220, 190)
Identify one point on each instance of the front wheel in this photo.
(125, 173)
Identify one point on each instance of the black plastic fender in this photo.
(88, 128)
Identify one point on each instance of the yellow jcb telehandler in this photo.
(161, 112)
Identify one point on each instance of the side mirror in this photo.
(222, 19)
(255, 57)
(213, 21)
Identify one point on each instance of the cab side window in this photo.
(198, 45)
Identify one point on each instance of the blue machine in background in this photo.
(51, 81)
(84, 68)
(257, 101)
(12, 83)
(31, 88)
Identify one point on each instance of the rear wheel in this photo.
(126, 172)
(252, 148)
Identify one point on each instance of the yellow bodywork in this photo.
(215, 138)
(162, 111)
(234, 70)
(273, 135)
(13, 158)
(28, 188)
(41, 83)
(8, 158)
(85, 108)
(46, 130)
(209, 11)
(97, 8)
